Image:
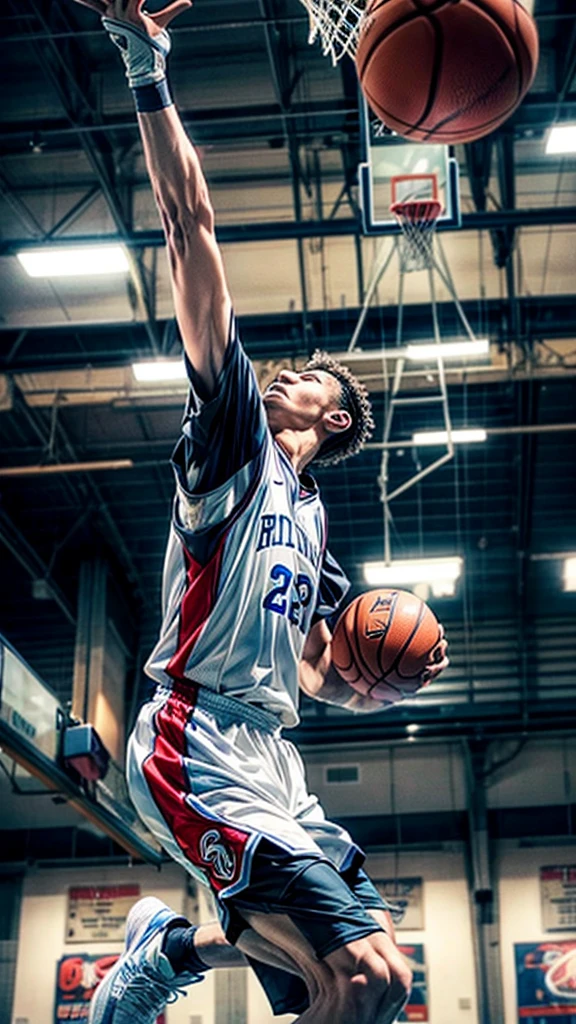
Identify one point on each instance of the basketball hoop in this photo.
(336, 23)
(417, 219)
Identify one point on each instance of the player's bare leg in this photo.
(214, 949)
(364, 982)
(279, 932)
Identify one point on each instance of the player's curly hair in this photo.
(353, 398)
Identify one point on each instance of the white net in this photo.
(336, 23)
(418, 222)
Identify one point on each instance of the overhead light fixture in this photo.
(412, 728)
(561, 139)
(423, 575)
(435, 437)
(160, 371)
(448, 350)
(74, 262)
(570, 574)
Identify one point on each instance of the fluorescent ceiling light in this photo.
(570, 574)
(449, 350)
(434, 437)
(417, 570)
(86, 262)
(159, 371)
(562, 139)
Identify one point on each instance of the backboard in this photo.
(388, 158)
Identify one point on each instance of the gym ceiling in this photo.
(278, 132)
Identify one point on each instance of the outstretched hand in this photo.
(132, 11)
(438, 660)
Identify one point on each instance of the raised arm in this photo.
(201, 297)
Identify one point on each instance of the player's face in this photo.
(298, 401)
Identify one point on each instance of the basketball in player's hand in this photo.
(383, 642)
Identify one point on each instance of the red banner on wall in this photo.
(417, 1008)
(77, 977)
(97, 913)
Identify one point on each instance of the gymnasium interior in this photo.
(464, 797)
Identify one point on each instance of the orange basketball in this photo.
(382, 642)
(446, 71)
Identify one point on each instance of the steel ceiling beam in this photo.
(267, 231)
(504, 239)
(282, 90)
(21, 549)
(537, 111)
(265, 336)
(74, 212)
(193, 120)
(126, 461)
(565, 54)
(236, 24)
(20, 208)
(101, 506)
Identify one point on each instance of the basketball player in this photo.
(248, 586)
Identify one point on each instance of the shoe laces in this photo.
(147, 991)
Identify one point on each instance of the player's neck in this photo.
(300, 447)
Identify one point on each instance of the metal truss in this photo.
(67, 69)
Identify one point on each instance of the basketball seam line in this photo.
(358, 648)
(478, 99)
(394, 602)
(403, 649)
(436, 68)
(427, 132)
(428, 653)
(344, 668)
(413, 16)
(506, 31)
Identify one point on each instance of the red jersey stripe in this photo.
(215, 848)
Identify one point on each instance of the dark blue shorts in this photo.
(329, 908)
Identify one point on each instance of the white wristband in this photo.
(144, 56)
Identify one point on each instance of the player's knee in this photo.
(363, 979)
(402, 980)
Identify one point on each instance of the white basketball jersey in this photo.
(246, 570)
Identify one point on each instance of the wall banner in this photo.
(406, 893)
(417, 1008)
(97, 913)
(558, 898)
(77, 976)
(546, 981)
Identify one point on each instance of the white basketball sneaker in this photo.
(142, 981)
